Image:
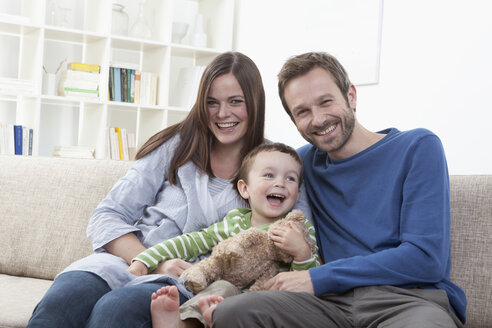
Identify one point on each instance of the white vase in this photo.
(140, 29)
(119, 24)
(199, 37)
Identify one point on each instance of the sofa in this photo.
(45, 204)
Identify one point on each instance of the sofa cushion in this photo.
(45, 208)
(471, 236)
(20, 295)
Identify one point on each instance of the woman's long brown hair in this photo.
(196, 138)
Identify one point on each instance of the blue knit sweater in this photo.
(382, 216)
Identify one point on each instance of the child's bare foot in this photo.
(207, 306)
(164, 307)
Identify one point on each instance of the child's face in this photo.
(273, 184)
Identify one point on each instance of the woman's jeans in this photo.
(83, 299)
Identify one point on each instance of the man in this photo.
(380, 206)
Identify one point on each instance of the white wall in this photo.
(435, 71)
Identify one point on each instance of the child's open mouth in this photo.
(275, 199)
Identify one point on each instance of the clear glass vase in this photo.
(140, 28)
(119, 24)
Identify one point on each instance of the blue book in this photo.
(30, 142)
(117, 84)
(18, 139)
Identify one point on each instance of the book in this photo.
(123, 84)
(153, 89)
(80, 76)
(84, 67)
(18, 139)
(73, 151)
(113, 144)
(132, 148)
(124, 139)
(117, 84)
(111, 84)
(25, 140)
(128, 85)
(120, 143)
(132, 86)
(137, 87)
(31, 137)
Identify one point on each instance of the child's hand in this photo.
(137, 268)
(291, 241)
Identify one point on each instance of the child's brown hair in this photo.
(266, 147)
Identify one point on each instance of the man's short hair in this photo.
(299, 65)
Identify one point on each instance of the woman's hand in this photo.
(173, 267)
(291, 241)
(137, 268)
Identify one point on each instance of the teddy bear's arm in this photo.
(269, 273)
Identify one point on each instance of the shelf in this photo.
(54, 33)
(32, 42)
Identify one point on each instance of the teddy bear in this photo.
(250, 256)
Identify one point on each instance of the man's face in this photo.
(321, 112)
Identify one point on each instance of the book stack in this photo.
(121, 144)
(74, 152)
(80, 80)
(15, 139)
(16, 86)
(132, 86)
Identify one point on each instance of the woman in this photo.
(181, 182)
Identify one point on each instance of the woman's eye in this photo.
(237, 101)
(211, 103)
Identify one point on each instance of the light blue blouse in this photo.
(144, 202)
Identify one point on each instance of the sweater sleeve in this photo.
(190, 246)
(130, 196)
(421, 255)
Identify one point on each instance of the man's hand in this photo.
(173, 267)
(292, 281)
(137, 268)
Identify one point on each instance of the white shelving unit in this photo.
(29, 42)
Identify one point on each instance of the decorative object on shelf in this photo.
(119, 23)
(49, 83)
(64, 19)
(51, 12)
(140, 28)
(179, 31)
(199, 37)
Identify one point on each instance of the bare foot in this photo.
(164, 307)
(207, 306)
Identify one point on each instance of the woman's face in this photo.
(227, 110)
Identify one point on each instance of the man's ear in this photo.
(242, 187)
(352, 96)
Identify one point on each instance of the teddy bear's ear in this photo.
(296, 215)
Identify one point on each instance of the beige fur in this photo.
(248, 256)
